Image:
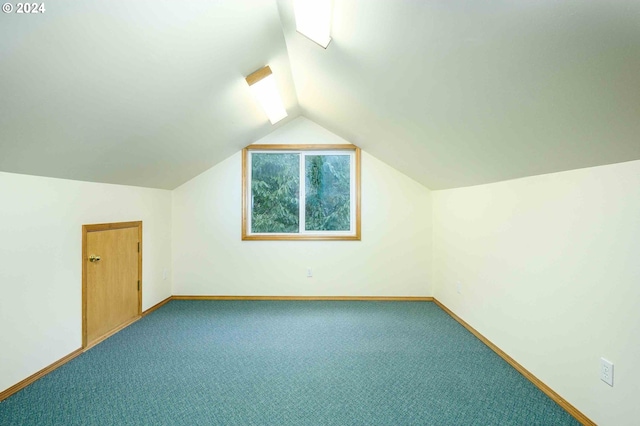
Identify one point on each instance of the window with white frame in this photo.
(301, 192)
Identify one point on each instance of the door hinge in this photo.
(138, 285)
(138, 246)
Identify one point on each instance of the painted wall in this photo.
(549, 270)
(40, 262)
(393, 258)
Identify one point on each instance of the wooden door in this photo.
(112, 288)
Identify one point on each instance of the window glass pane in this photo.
(275, 181)
(328, 195)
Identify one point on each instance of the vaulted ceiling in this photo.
(452, 93)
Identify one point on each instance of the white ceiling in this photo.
(452, 93)
(146, 92)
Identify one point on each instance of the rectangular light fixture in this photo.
(263, 86)
(313, 20)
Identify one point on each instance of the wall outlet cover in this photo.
(606, 371)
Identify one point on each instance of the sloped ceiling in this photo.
(456, 93)
(452, 93)
(145, 92)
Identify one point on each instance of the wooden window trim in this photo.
(297, 237)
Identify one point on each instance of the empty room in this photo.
(323, 212)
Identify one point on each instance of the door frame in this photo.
(106, 227)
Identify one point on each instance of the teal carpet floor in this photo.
(286, 363)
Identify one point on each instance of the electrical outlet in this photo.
(606, 371)
(458, 287)
(309, 273)
(165, 273)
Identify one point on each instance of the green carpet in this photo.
(286, 363)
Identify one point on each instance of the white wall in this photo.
(40, 262)
(393, 258)
(549, 268)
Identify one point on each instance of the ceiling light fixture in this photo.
(313, 20)
(263, 86)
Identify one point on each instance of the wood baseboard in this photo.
(533, 379)
(156, 306)
(311, 298)
(26, 382)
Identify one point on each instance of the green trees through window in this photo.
(327, 192)
(275, 184)
(276, 180)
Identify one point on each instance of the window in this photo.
(301, 192)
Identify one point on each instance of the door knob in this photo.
(94, 258)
